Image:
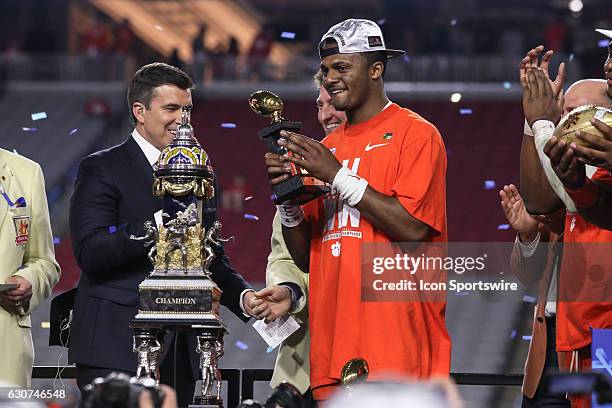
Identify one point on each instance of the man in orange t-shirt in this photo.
(387, 169)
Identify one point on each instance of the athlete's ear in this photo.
(376, 70)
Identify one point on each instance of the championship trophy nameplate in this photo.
(180, 294)
(300, 187)
(580, 119)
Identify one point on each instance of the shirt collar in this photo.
(150, 151)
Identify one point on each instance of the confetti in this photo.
(251, 217)
(288, 35)
(112, 229)
(603, 43)
(456, 97)
(241, 345)
(158, 27)
(571, 57)
(529, 299)
(248, 198)
(406, 58)
(507, 85)
(269, 349)
(73, 131)
(273, 197)
(453, 22)
(513, 334)
(228, 125)
(15, 151)
(381, 21)
(45, 325)
(56, 240)
(39, 115)
(489, 184)
(29, 129)
(465, 111)
(527, 338)
(502, 227)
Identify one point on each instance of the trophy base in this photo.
(189, 300)
(299, 189)
(207, 402)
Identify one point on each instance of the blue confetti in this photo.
(288, 35)
(56, 240)
(251, 217)
(465, 111)
(489, 184)
(513, 334)
(269, 349)
(571, 57)
(228, 125)
(603, 43)
(29, 129)
(406, 58)
(502, 227)
(507, 85)
(39, 115)
(73, 131)
(112, 229)
(529, 299)
(381, 21)
(527, 338)
(453, 22)
(273, 197)
(241, 345)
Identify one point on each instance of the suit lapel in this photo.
(141, 174)
(5, 181)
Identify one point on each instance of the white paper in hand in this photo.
(275, 332)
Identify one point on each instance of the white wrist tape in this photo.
(291, 215)
(350, 186)
(527, 130)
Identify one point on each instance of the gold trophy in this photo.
(354, 372)
(300, 187)
(580, 119)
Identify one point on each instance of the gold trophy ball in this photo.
(354, 372)
(268, 104)
(580, 119)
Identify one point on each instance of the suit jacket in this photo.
(112, 199)
(34, 261)
(537, 268)
(292, 362)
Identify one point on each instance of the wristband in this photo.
(350, 186)
(291, 215)
(527, 130)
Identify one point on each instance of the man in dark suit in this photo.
(112, 200)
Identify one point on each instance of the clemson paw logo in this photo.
(335, 249)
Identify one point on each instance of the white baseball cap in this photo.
(356, 35)
(607, 33)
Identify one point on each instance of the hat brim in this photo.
(394, 53)
(607, 33)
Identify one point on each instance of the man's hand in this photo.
(517, 215)
(271, 303)
(570, 171)
(17, 300)
(599, 152)
(310, 155)
(539, 101)
(278, 169)
(531, 60)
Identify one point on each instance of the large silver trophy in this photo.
(180, 294)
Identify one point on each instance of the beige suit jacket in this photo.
(34, 261)
(292, 364)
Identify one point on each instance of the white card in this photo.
(275, 332)
(158, 218)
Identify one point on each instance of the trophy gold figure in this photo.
(300, 187)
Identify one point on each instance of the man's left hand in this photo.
(599, 152)
(311, 155)
(18, 298)
(570, 171)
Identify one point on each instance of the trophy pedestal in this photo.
(300, 187)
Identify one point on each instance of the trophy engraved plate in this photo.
(179, 293)
(300, 187)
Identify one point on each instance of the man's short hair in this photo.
(151, 76)
(318, 79)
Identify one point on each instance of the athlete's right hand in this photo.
(279, 170)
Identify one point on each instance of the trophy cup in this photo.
(180, 294)
(580, 119)
(355, 371)
(300, 187)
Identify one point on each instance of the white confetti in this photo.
(39, 115)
